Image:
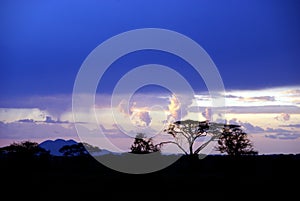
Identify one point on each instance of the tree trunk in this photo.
(191, 149)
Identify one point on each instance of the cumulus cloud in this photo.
(174, 107)
(207, 114)
(140, 116)
(178, 106)
(283, 117)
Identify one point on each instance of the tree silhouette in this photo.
(79, 149)
(26, 149)
(185, 134)
(141, 145)
(234, 142)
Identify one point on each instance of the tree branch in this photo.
(171, 142)
(205, 144)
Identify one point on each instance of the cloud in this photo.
(56, 104)
(178, 106)
(207, 114)
(271, 109)
(251, 128)
(248, 127)
(47, 120)
(232, 96)
(251, 98)
(139, 116)
(291, 125)
(50, 120)
(263, 109)
(26, 120)
(283, 117)
(257, 98)
(123, 107)
(284, 136)
(114, 132)
(274, 133)
(35, 130)
(292, 92)
(296, 101)
(15, 114)
(174, 107)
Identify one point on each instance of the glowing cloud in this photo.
(139, 116)
(207, 114)
(174, 107)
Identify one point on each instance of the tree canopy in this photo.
(234, 142)
(185, 133)
(79, 149)
(142, 145)
(26, 149)
(231, 138)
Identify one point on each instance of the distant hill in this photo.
(54, 145)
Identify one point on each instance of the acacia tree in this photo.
(142, 145)
(185, 134)
(234, 142)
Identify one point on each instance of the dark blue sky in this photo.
(254, 44)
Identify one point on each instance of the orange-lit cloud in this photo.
(139, 116)
(174, 107)
(207, 114)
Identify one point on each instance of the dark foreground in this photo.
(85, 178)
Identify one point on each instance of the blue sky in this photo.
(254, 44)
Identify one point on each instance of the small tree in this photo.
(234, 142)
(185, 134)
(142, 145)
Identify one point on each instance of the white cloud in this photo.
(33, 130)
(15, 114)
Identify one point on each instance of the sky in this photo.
(255, 46)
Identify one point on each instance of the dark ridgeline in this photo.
(66, 170)
(44, 176)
